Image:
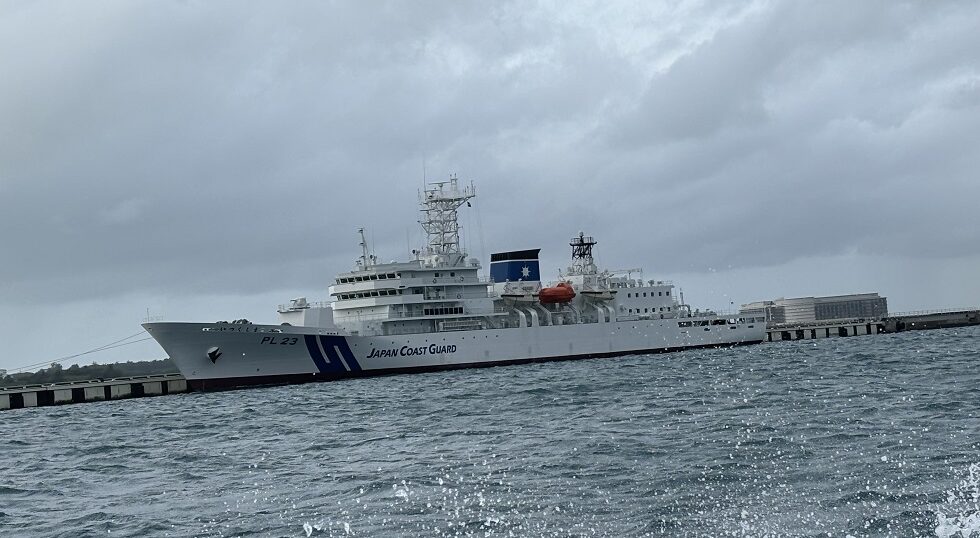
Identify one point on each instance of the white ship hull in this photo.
(435, 312)
(247, 354)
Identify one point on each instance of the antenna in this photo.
(479, 229)
(365, 256)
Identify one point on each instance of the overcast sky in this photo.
(209, 160)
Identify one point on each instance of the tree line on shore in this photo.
(56, 373)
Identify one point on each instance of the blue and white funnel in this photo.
(515, 266)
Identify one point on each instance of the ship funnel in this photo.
(518, 265)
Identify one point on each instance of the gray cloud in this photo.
(188, 148)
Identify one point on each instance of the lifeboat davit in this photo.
(562, 293)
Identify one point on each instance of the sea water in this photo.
(861, 436)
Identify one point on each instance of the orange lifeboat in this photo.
(562, 293)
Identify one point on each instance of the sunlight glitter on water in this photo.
(868, 436)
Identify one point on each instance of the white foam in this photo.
(963, 503)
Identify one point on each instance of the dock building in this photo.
(799, 310)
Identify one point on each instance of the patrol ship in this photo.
(435, 312)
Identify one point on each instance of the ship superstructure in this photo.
(436, 312)
(440, 290)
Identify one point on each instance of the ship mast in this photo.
(582, 262)
(366, 258)
(439, 204)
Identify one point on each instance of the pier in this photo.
(159, 385)
(833, 328)
(930, 319)
(97, 390)
(894, 323)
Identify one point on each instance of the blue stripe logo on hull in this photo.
(348, 355)
(331, 354)
(315, 354)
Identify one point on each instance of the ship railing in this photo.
(739, 317)
(928, 312)
(409, 315)
(822, 322)
(460, 325)
(456, 280)
(632, 282)
(288, 307)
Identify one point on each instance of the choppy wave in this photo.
(863, 436)
(960, 514)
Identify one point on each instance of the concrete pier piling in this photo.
(91, 391)
(823, 329)
(909, 321)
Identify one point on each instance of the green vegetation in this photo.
(58, 374)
